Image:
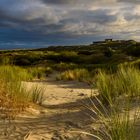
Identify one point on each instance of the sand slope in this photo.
(62, 114)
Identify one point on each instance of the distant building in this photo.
(108, 40)
(103, 42)
(114, 41)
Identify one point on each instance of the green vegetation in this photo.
(90, 56)
(13, 95)
(125, 82)
(39, 72)
(109, 52)
(76, 74)
(41, 62)
(117, 122)
(133, 51)
(113, 68)
(117, 106)
(37, 94)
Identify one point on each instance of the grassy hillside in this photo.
(92, 57)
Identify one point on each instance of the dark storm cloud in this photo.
(60, 2)
(70, 19)
(97, 16)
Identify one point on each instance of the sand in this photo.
(61, 116)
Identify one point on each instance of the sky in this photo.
(41, 23)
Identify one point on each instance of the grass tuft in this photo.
(13, 96)
(117, 111)
(81, 75)
(37, 94)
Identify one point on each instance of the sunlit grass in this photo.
(37, 94)
(39, 72)
(14, 96)
(77, 74)
(126, 82)
(117, 122)
(113, 108)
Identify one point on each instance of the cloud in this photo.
(29, 10)
(130, 1)
(72, 18)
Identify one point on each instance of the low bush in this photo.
(64, 66)
(133, 51)
(64, 56)
(108, 52)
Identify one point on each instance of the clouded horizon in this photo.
(65, 22)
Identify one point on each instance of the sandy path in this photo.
(60, 92)
(63, 113)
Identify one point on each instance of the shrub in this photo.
(64, 66)
(133, 50)
(108, 52)
(85, 52)
(22, 62)
(64, 56)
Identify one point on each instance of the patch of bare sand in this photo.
(62, 113)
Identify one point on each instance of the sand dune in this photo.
(62, 114)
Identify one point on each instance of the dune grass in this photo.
(14, 96)
(117, 107)
(81, 75)
(37, 94)
(39, 72)
(126, 82)
(117, 122)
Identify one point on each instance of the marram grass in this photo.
(126, 82)
(116, 108)
(76, 74)
(117, 121)
(13, 95)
